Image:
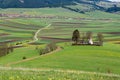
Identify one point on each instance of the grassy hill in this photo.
(82, 58)
(100, 59)
(86, 58)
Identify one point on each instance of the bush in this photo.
(49, 47)
(4, 49)
(24, 57)
(41, 51)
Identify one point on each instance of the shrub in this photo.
(24, 57)
(49, 47)
(4, 49)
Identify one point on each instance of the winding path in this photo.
(34, 40)
(37, 32)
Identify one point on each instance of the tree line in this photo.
(87, 38)
(47, 49)
(5, 49)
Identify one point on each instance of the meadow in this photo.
(100, 59)
(51, 75)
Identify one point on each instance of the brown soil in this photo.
(67, 23)
(112, 39)
(112, 32)
(55, 39)
(16, 27)
(4, 34)
(55, 34)
(117, 43)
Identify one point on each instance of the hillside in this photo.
(80, 6)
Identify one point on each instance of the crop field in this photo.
(63, 30)
(22, 30)
(58, 24)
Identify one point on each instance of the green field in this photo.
(52, 75)
(100, 59)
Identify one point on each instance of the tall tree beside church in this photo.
(76, 36)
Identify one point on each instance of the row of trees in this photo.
(86, 38)
(5, 49)
(49, 48)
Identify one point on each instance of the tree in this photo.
(100, 38)
(76, 36)
(4, 49)
(89, 35)
(83, 38)
(11, 48)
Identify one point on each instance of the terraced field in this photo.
(63, 30)
(23, 30)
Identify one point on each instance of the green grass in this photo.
(62, 30)
(87, 58)
(24, 28)
(18, 54)
(43, 12)
(50, 75)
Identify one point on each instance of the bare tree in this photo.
(83, 38)
(89, 35)
(11, 48)
(100, 38)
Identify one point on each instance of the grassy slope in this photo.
(18, 54)
(43, 12)
(88, 58)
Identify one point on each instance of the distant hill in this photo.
(33, 3)
(75, 5)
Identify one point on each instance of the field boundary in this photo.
(59, 70)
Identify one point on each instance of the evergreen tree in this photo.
(76, 36)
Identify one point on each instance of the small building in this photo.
(90, 41)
